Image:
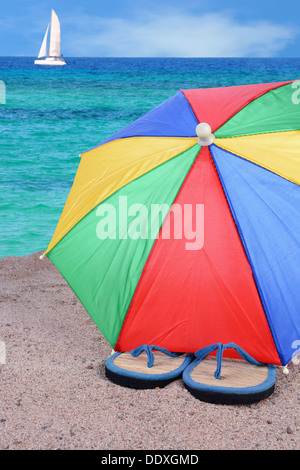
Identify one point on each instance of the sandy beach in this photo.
(54, 394)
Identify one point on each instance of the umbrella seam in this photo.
(253, 99)
(152, 250)
(260, 293)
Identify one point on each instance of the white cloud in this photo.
(176, 34)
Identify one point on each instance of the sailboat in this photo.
(54, 57)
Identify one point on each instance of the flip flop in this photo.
(146, 367)
(241, 382)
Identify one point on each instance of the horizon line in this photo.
(156, 57)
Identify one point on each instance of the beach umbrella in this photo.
(182, 230)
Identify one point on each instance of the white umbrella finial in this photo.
(205, 136)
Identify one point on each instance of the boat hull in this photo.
(50, 61)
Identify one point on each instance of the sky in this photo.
(154, 28)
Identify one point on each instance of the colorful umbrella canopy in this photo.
(181, 242)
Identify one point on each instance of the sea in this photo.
(50, 115)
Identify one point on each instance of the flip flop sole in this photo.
(226, 398)
(132, 372)
(240, 383)
(137, 383)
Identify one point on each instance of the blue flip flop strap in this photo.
(145, 347)
(202, 353)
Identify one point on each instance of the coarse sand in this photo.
(54, 393)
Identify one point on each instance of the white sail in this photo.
(53, 57)
(43, 49)
(54, 49)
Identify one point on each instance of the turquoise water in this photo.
(51, 115)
